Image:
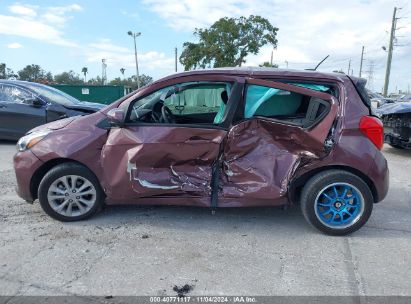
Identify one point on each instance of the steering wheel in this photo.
(166, 115)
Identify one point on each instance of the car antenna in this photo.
(314, 69)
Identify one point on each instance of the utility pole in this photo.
(272, 55)
(362, 59)
(103, 72)
(389, 57)
(349, 67)
(370, 72)
(175, 59)
(135, 35)
(286, 62)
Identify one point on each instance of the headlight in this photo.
(28, 141)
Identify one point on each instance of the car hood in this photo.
(394, 108)
(87, 106)
(55, 125)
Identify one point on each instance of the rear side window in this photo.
(286, 106)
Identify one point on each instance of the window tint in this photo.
(189, 103)
(200, 98)
(53, 94)
(283, 105)
(11, 93)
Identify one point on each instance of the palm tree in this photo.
(122, 70)
(85, 71)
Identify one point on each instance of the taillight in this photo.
(373, 128)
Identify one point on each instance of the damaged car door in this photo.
(283, 127)
(168, 144)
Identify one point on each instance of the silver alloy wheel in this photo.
(71, 195)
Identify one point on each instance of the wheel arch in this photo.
(46, 167)
(296, 185)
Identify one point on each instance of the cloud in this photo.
(42, 27)
(120, 56)
(14, 45)
(308, 30)
(57, 15)
(22, 27)
(24, 10)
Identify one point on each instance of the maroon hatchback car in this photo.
(216, 138)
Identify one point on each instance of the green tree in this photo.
(34, 72)
(3, 71)
(68, 78)
(85, 71)
(227, 42)
(132, 81)
(267, 64)
(95, 81)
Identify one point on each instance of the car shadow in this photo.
(190, 219)
(253, 220)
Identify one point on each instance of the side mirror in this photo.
(34, 102)
(116, 117)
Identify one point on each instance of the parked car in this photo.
(377, 100)
(216, 138)
(406, 97)
(396, 118)
(25, 105)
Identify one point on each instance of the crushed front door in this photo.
(261, 154)
(143, 161)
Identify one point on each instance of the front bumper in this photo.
(25, 165)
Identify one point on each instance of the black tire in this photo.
(320, 181)
(65, 169)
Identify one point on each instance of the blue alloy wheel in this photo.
(339, 205)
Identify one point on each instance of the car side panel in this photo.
(145, 161)
(18, 118)
(352, 149)
(261, 156)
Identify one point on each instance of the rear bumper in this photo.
(380, 175)
(25, 164)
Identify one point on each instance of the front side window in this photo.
(53, 95)
(11, 93)
(188, 103)
(283, 105)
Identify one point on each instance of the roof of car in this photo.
(20, 82)
(263, 71)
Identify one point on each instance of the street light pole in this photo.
(135, 35)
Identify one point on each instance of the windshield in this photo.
(54, 95)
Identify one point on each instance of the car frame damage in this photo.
(397, 124)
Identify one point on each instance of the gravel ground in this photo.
(257, 251)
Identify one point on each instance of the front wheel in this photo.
(336, 202)
(70, 192)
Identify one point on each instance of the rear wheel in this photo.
(70, 192)
(336, 202)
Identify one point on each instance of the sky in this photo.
(63, 35)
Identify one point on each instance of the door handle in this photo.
(197, 139)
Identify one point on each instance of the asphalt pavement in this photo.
(140, 250)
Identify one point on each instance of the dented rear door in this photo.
(261, 154)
